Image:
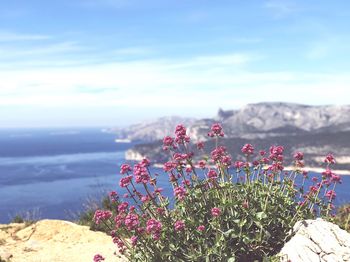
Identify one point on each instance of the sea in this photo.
(54, 173)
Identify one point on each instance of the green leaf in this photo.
(261, 215)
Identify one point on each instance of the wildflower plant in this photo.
(221, 210)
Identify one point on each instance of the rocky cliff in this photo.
(317, 240)
(314, 130)
(252, 121)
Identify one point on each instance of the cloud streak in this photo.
(7, 36)
(204, 85)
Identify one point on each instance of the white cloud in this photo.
(7, 52)
(206, 82)
(7, 36)
(281, 8)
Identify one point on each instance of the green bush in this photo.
(221, 211)
(17, 219)
(342, 218)
(86, 217)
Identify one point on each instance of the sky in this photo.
(118, 62)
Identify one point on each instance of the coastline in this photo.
(342, 172)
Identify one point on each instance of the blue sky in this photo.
(117, 62)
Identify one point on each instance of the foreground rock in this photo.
(53, 240)
(317, 240)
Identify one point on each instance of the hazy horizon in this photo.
(115, 62)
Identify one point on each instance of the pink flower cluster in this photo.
(141, 174)
(329, 159)
(154, 227)
(216, 130)
(169, 143)
(220, 154)
(125, 181)
(98, 258)
(102, 215)
(247, 149)
(179, 225)
(125, 168)
(180, 135)
(212, 174)
(215, 212)
(131, 221)
(180, 192)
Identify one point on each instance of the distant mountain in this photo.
(285, 118)
(316, 130)
(152, 130)
(252, 121)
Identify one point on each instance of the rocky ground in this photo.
(53, 240)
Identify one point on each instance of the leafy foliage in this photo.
(221, 211)
(342, 218)
(86, 217)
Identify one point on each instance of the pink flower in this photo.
(212, 174)
(145, 198)
(113, 194)
(262, 152)
(313, 189)
(202, 164)
(298, 156)
(180, 157)
(218, 153)
(181, 136)
(134, 240)
(336, 178)
(101, 215)
(131, 221)
(98, 258)
(216, 130)
(276, 153)
(200, 145)
(327, 173)
(215, 211)
(154, 227)
(168, 142)
(141, 173)
(186, 182)
(276, 167)
(188, 169)
(329, 159)
(180, 192)
(239, 164)
(169, 166)
(201, 228)
(247, 149)
(179, 225)
(145, 162)
(226, 160)
(122, 207)
(331, 194)
(125, 181)
(125, 168)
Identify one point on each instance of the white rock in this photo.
(317, 240)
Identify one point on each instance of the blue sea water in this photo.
(52, 172)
